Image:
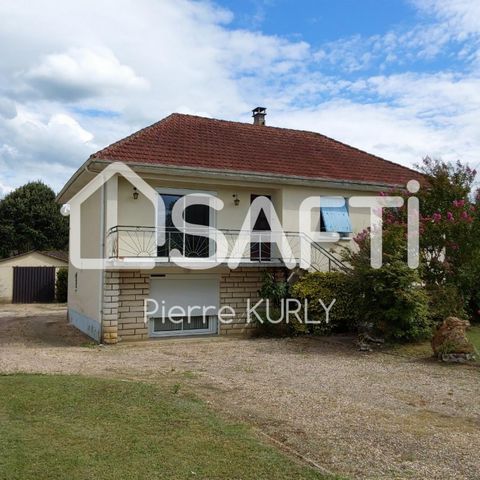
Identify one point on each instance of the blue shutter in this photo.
(335, 218)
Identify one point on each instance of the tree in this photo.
(30, 219)
(447, 182)
(449, 239)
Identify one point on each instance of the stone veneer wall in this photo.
(236, 287)
(123, 306)
(125, 292)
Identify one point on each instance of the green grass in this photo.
(70, 427)
(474, 336)
(424, 349)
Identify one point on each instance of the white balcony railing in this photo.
(128, 242)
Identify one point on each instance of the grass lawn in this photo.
(474, 336)
(71, 427)
(424, 349)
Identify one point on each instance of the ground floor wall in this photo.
(236, 288)
(125, 293)
(84, 300)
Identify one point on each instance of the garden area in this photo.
(438, 302)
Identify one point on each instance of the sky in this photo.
(398, 78)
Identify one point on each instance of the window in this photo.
(187, 304)
(262, 250)
(193, 246)
(197, 324)
(335, 218)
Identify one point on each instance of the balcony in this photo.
(129, 243)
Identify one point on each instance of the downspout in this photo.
(102, 255)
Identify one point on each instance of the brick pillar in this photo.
(134, 289)
(111, 292)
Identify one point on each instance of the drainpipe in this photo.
(102, 255)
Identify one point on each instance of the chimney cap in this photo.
(259, 110)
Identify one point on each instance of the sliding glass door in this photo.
(193, 246)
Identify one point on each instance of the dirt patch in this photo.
(38, 324)
(366, 416)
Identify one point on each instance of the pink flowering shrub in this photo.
(449, 270)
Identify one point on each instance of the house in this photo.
(30, 277)
(235, 162)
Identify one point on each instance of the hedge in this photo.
(62, 285)
(326, 286)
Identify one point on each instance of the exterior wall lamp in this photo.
(236, 200)
(135, 193)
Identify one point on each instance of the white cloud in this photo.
(51, 140)
(390, 133)
(82, 73)
(34, 149)
(461, 15)
(8, 110)
(421, 114)
(4, 189)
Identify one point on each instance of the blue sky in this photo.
(400, 79)
(323, 20)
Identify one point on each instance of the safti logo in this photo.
(218, 248)
(110, 199)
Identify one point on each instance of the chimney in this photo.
(259, 116)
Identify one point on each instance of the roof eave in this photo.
(94, 165)
(246, 175)
(83, 168)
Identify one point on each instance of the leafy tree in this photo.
(449, 239)
(30, 219)
(446, 183)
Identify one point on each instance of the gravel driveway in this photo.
(366, 416)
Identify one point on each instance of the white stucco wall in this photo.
(85, 286)
(286, 199)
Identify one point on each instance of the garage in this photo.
(187, 305)
(30, 277)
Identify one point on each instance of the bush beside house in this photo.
(394, 301)
(327, 287)
(61, 285)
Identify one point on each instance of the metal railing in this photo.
(127, 241)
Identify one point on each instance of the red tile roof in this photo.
(189, 141)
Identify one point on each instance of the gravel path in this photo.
(366, 416)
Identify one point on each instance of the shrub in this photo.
(392, 301)
(325, 286)
(445, 301)
(275, 291)
(62, 285)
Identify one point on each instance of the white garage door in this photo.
(188, 304)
